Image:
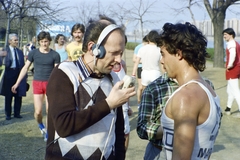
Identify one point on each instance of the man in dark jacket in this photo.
(14, 61)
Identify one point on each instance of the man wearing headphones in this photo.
(85, 117)
(74, 49)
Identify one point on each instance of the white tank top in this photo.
(206, 133)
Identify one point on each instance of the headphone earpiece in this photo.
(98, 50)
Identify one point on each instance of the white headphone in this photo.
(98, 50)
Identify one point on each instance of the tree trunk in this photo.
(218, 25)
(8, 28)
(21, 34)
(141, 23)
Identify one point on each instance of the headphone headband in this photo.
(99, 50)
(105, 32)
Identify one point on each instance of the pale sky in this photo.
(166, 14)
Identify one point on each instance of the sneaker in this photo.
(44, 133)
(237, 115)
(45, 137)
(138, 106)
(228, 111)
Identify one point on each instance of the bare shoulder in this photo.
(188, 101)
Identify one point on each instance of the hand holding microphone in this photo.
(121, 92)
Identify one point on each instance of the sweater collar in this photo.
(85, 70)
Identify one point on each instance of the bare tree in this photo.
(9, 10)
(126, 12)
(85, 11)
(33, 10)
(120, 12)
(140, 10)
(187, 5)
(190, 4)
(217, 12)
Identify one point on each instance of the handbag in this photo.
(27, 86)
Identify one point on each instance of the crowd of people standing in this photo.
(79, 83)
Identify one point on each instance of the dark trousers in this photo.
(17, 105)
(10, 79)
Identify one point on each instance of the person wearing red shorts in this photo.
(44, 60)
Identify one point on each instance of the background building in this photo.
(207, 28)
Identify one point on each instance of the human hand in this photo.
(118, 97)
(130, 111)
(3, 53)
(14, 88)
(229, 67)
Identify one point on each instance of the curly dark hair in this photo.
(76, 27)
(187, 38)
(44, 34)
(58, 36)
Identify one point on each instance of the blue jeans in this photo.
(153, 153)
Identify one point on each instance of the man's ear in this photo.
(179, 54)
(90, 45)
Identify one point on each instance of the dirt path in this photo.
(20, 139)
